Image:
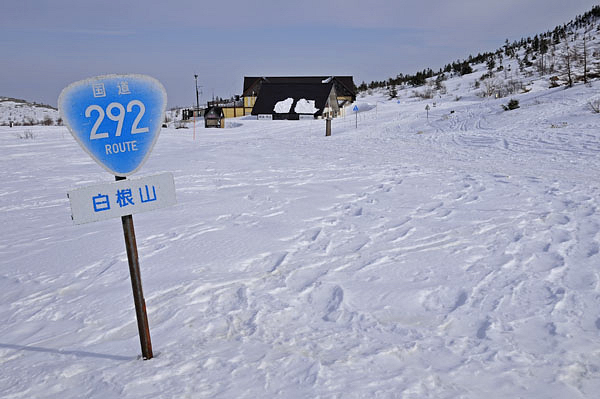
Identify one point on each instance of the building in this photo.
(294, 101)
(232, 108)
(213, 117)
(291, 97)
(327, 94)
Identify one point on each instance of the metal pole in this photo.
(197, 101)
(136, 283)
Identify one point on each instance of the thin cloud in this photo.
(92, 32)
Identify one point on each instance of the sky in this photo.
(46, 45)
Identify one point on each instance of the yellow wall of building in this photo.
(234, 112)
(249, 101)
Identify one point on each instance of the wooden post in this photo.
(136, 284)
(328, 126)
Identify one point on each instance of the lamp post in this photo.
(197, 101)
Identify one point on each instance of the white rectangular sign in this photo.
(124, 197)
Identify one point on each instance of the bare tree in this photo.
(48, 121)
(586, 38)
(568, 63)
(491, 87)
(595, 106)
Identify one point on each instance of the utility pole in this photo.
(197, 101)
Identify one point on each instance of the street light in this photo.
(197, 101)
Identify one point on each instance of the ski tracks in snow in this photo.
(396, 260)
(357, 286)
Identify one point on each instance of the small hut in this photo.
(213, 117)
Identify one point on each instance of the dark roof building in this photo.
(344, 85)
(292, 97)
(295, 100)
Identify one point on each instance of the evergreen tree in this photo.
(465, 68)
(392, 92)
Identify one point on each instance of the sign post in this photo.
(116, 119)
(136, 284)
(355, 109)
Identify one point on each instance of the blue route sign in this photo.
(115, 118)
(355, 109)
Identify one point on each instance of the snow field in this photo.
(449, 257)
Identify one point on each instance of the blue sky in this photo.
(47, 44)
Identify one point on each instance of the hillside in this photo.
(23, 113)
(563, 56)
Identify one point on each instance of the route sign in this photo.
(115, 118)
(355, 109)
(124, 197)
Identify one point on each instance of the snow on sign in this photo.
(115, 118)
(125, 197)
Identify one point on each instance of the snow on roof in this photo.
(284, 106)
(280, 98)
(304, 106)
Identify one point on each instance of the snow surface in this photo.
(449, 257)
(304, 106)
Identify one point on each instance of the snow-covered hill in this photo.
(22, 113)
(568, 54)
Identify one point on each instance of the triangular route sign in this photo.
(115, 118)
(355, 109)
